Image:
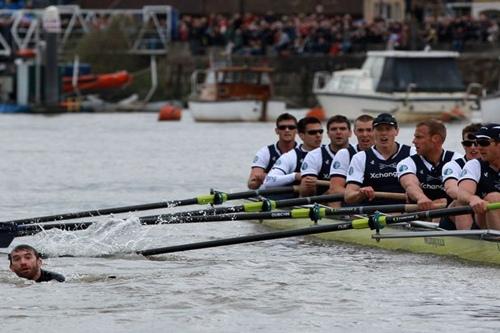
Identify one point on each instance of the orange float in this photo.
(169, 113)
(317, 112)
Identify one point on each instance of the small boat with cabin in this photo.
(236, 93)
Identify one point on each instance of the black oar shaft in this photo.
(203, 199)
(189, 216)
(248, 239)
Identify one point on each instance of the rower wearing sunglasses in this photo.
(375, 169)
(451, 175)
(286, 129)
(286, 170)
(317, 163)
(479, 182)
(420, 175)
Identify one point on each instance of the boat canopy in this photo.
(431, 74)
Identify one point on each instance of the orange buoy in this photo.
(317, 112)
(169, 112)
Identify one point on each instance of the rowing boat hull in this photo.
(470, 248)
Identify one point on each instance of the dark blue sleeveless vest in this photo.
(324, 173)
(461, 162)
(274, 154)
(431, 181)
(489, 180)
(382, 175)
(300, 158)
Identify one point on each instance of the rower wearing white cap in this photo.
(479, 182)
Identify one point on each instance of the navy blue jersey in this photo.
(431, 180)
(489, 181)
(381, 175)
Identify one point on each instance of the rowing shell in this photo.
(481, 246)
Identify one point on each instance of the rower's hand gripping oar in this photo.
(215, 198)
(355, 224)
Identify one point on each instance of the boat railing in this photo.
(321, 79)
(411, 87)
(475, 90)
(197, 82)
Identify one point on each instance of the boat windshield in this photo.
(428, 74)
(246, 77)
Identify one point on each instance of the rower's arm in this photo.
(466, 191)
(256, 178)
(308, 186)
(411, 185)
(451, 188)
(353, 194)
(337, 185)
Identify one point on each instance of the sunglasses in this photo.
(314, 132)
(284, 127)
(484, 143)
(469, 143)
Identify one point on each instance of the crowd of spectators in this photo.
(320, 34)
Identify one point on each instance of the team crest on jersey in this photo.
(463, 173)
(383, 166)
(448, 171)
(336, 165)
(304, 166)
(403, 167)
(278, 162)
(351, 171)
(256, 158)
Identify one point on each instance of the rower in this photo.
(479, 182)
(375, 168)
(286, 129)
(420, 174)
(317, 163)
(26, 262)
(340, 164)
(451, 174)
(286, 170)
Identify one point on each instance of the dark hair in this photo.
(363, 118)
(338, 119)
(471, 129)
(435, 127)
(24, 247)
(285, 116)
(302, 124)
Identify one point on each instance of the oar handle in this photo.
(390, 195)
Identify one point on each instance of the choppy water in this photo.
(77, 162)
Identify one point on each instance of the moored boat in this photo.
(412, 85)
(232, 93)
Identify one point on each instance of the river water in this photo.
(74, 162)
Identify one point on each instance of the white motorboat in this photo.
(412, 85)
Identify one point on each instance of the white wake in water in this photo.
(103, 238)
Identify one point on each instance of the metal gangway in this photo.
(148, 31)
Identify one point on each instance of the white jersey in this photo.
(452, 170)
(471, 170)
(314, 162)
(408, 165)
(341, 161)
(267, 156)
(284, 170)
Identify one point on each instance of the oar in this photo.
(355, 224)
(8, 231)
(265, 205)
(216, 198)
